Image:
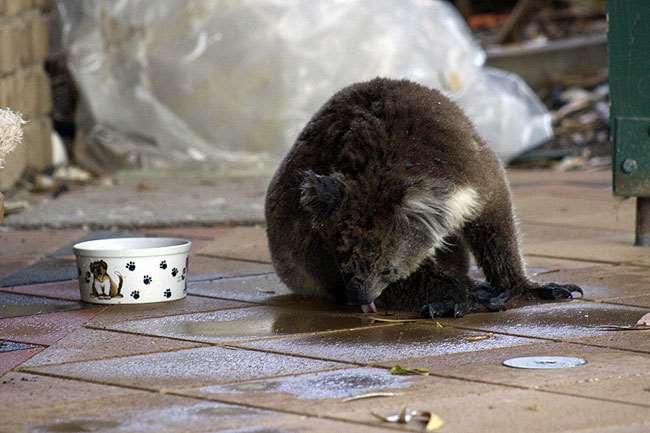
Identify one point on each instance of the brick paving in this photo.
(240, 354)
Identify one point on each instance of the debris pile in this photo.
(579, 105)
(534, 22)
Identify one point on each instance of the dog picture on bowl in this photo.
(103, 286)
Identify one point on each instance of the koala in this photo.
(383, 197)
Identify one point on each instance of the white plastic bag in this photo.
(232, 82)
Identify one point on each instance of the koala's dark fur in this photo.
(383, 196)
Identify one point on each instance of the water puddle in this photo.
(244, 323)
(10, 346)
(556, 320)
(226, 411)
(388, 343)
(13, 305)
(336, 384)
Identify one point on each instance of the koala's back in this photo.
(370, 129)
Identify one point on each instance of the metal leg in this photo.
(642, 222)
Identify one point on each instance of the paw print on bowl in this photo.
(88, 275)
(167, 293)
(163, 264)
(174, 272)
(130, 266)
(183, 276)
(135, 294)
(147, 279)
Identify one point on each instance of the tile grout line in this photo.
(180, 393)
(193, 397)
(252, 339)
(235, 259)
(575, 259)
(555, 340)
(227, 277)
(571, 226)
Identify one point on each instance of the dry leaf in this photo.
(479, 337)
(439, 325)
(403, 417)
(644, 321)
(372, 395)
(399, 370)
(381, 319)
(434, 422)
(144, 187)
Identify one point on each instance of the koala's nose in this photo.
(357, 293)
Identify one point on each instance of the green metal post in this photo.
(629, 81)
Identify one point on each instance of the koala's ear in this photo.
(320, 194)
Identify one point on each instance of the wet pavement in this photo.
(241, 354)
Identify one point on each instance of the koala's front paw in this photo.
(554, 291)
(445, 309)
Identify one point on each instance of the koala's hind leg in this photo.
(493, 239)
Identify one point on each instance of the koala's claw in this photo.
(444, 309)
(498, 303)
(555, 291)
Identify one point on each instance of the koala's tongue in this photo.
(369, 308)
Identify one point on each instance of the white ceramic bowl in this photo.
(132, 270)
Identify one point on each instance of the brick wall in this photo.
(24, 85)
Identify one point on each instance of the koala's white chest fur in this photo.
(451, 212)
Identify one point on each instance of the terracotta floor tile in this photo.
(20, 392)
(576, 211)
(210, 268)
(634, 341)
(147, 412)
(11, 265)
(259, 288)
(66, 290)
(566, 321)
(263, 289)
(604, 282)
(67, 249)
(385, 343)
(89, 344)
(186, 368)
(608, 374)
(493, 408)
(532, 233)
(14, 358)
(36, 242)
(45, 329)
(192, 233)
(637, 301)
(246, 243)
(45, 270)
(597, 190)
(606, 246)
(190, 304)
(543, 265)
(15, 305)
(243, 324)
(595, 179)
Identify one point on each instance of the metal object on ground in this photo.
(629, 43)
(544, 362)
